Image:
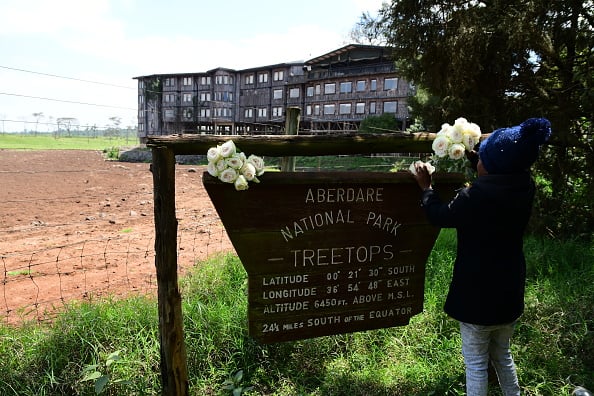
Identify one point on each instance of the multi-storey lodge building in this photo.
(334, 91)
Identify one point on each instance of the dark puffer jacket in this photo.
(490, 217)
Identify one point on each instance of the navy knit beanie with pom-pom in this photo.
(514, 149)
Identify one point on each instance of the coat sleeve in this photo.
(446, 215)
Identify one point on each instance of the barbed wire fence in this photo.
(66, 264)
(38, 283)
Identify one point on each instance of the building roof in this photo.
(350, 52)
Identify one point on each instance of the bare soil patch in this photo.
(74, 225)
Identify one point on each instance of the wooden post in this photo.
(174, 372)
(291, 128)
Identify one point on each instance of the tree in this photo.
(114, 127)
(67, 123)
(499, 62)
(369, 30)
(38, 116)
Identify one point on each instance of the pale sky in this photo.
(112, 41)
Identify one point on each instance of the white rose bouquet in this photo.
(229, 165)
(452, 142)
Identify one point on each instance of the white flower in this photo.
(213, 154)
(440, 145)
(248, 171)
(258, 163)
(452, 142)
(228, 149)
(241, 183)
(456, 133)
(212, 169)
(229, 175)
(456, 151)
(234, 162)
(469, 141)
(220, 165)
(474, 130)
(444, 129)
(460, 121)
(230, 165)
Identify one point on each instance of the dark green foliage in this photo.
(498, 63)
(384, 123)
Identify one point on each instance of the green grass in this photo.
(553, 346)
(49, 142)
(347, 163)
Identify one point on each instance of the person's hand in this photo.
(473, 158)
(422, 175)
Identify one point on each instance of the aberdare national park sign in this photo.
(329, 252)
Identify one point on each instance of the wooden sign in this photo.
(329, 252)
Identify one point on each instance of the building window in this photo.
(224, 79)
(277, 94)
(187, 81)
(205, 80)
(224, 96)
(169, 98)
(318, 89)
(361, 85)
(390, 83)
(360, 108)
(263, 77)
(373, 85)
(170, 82)
(310, 91)
(372, 108)
(317, 109)
(262, 112)
(188, 113)
(204, 113)
(204, 96)
(308, 110)
(344, 108)
(329, 109)
(277, 111)
(279, 75)
(222, 112)
(346, 87)
(294, 93)
(187, 97)
(169, 113)
(249, 79)
(248, 113)
(329, 88)
(390, 107)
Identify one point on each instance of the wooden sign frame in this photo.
(329, 252)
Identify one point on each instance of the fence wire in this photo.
(38, 283)
(65, 266)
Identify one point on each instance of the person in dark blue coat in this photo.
(486, 293)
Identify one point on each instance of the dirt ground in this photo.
(74, 225)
